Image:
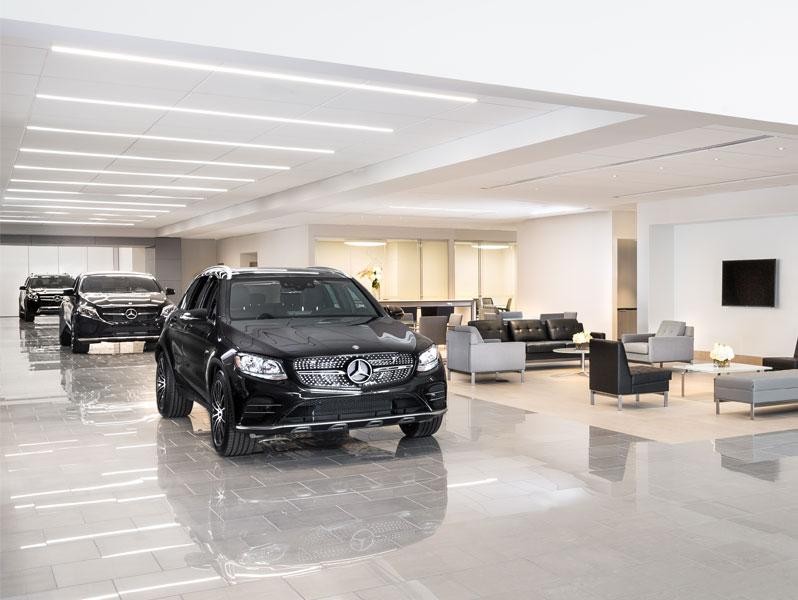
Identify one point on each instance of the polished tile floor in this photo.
(103, 499)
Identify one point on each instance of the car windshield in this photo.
(298, 296)
(119, 284)
(50, 281)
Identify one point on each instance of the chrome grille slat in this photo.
(329, 371)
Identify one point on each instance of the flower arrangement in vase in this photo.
(374, 275)
(721, 355)
(581, 339)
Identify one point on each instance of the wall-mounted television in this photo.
(749, 282)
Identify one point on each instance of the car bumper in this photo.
(285, 407)
(90, 331)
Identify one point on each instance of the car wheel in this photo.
(171, 401)
(28, 316)
(150, 346)
(423, 428)
(64, 337)
(226, 440)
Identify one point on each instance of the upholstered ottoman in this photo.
(757, 389)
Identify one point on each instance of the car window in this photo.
(297, 296)
(192, 296)
(50, 281)
(208, 296)
(119, 284)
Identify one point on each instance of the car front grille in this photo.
(144, 316)
(330, 371)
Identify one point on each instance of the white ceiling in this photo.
(572, 173)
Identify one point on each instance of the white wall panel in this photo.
(126, 259)
(43, 259)
(72, 260)
(13, 270)
(100, 258)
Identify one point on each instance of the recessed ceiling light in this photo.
(125, 185)
(104, 172)
(216, 113)
(661, 168)
(364, 244)
(716, 158)
(42, 222)
(82, 201)
(155, 159)
(163, 138)
(138, 210)
(181, 64)
(781, 148)
(614, 176)
(491, 246)
(41, 191)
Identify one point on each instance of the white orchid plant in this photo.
(721, 354)
(374, 275)
(581, 338)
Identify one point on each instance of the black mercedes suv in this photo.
(113, 306)
(41, 294)
(273, 352)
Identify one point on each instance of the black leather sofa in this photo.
(782, 363)
(541, 337)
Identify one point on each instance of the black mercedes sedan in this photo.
(41, 294)
(275, 352)
(113, 306)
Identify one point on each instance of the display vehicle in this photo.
(42, 294)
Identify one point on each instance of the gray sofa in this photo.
(757, 389)
(673, 342)
(468, 352)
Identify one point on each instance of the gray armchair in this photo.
(467, 352)
(673, 342)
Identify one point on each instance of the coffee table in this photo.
(716, 371)
(581, 351)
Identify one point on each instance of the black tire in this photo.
(172, 402)
(422, 429)
(28, 316)
(150, 346)
(78, 347)
(64, 337)
(226, 440)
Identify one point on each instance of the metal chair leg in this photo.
(637, 397)
(752, 411)
(448, 374)
(717, 405)
(620, 402)
(665, 395)
(592, 398)
(522, 377)
(473, 378)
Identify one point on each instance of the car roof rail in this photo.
(220, 271)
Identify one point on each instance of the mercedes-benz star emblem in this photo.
(131, 313)
(358, 371)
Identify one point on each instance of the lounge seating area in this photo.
(468, 352)
(674, 341)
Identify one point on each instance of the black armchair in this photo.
(611, 375)
(782, 363)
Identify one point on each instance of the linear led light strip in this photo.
(40, 222)
(111, 202)
(180, 64)
(163, 138)
(64, 207)
(184, 161)
(30, 191)
(148, 186)
(438, 208)
(104, 172)
(92, 536)
(214, 113)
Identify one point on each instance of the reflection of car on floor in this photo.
(42, 294)
(255, 533)
(112, 306)
(277, 352)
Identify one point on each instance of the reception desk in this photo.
(417, 306)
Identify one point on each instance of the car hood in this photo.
(291, 338)
(103, 300)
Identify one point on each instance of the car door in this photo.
(177, 328)
(199, 334)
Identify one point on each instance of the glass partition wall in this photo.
(425, 269)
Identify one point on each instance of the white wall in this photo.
(566, 264)
(196, 255)
(288, 247)
(700, 249)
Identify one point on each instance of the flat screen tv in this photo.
(749, 282)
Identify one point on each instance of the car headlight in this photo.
(86, 310)
(260, 366)
(428, 359)
(34, 296)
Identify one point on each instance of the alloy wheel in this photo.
(218, 415)
(160, 383)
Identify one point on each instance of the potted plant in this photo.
(721, 355)
(373, 274)
(582, 340)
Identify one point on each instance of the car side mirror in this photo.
(196, 314)
(22, 288)
(68, 293)
(170, 291)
